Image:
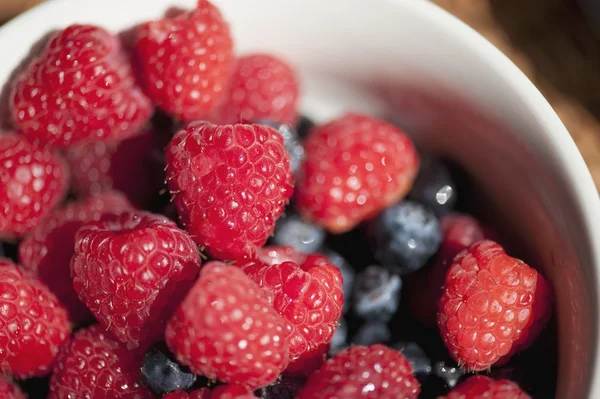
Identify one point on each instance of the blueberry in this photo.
(340, 337)
(163, 375)
(304, 126)
(292, 143)
(285, 388)
(405, 236)
(376, 294)
(434, 187)
(372, 333)
(298, 233)
(419, 361)
(347, 274)
(448, 372)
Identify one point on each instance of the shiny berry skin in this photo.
(292, 143)
(363, 372)
(163, 375)
(79, 89)
(33, 324)
(226, 329)
(32, 181)
(185, 62)
(405, 236)
(420, 362)
(275, 255)
(131, 270)
(95, 365)
(202, 393)
(347, 274)
(492, 306)
(376, 294)
(229, 184)
(231, 392)
(262, 86)
(134, 166)
(482, 387)
(47, 249)
(298, 233)
(355, 166)
(434, 187)
(308, 295)
(8, 390)
(340, 337)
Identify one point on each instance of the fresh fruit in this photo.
(33, 324)
(347, 274)
(340, 337)
(405, 236)
(202, 393)
(292, 143)
(261, 87)
(80, 88)
(276, 255)
(434, 187)
(369, 372)
(372, 332)
(355, 166)
(296, 232)
(376, 294)
(163, 375)
(32, 181)
(48, 248)
(185, 62)
(231, 392)
(133, 166)
(310, 361)
(419, 361)
(308, 295)
(94, 365)
(8, 390)
(229, 184)
(460, 232)
(286, 388)
(492, 306)
(450, 374)
(482, 387)
(131, 270)
(226, 329)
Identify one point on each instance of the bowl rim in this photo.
(558, 145)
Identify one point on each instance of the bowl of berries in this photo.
(299, 199)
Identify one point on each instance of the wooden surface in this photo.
(549, 40)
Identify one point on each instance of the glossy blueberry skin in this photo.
(417, 357)
(298, 233)
(403, 237)
(376, 294)
(292, 143)
(434, 187)
(347, 274)
(372, 333)
(162, 375)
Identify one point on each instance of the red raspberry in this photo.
(95, 365)
(32, 181)
(355, 166)
(363, 372)
(308, 295)
(275, 255)
(230, 183)
(47, 250)
(231, 392)
(262, 87)
(492, 306)
(185, 62)
(308, 362)
(202, 393)
(225, 329)
(33, 324)
(132, 270)
(8, 390)
(132, 166)
(79, 89)
(482, 387)
(424, 287)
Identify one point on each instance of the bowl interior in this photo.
(453, 92)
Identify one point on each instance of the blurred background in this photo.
(556, 43)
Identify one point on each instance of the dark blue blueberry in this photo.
(417, 357)
(434, 186)
(405, 236)
(339, 341)
(448, 372)
(298, 233)
(285, 388)
(163, 375)
(304, 126)
(347, 274)
(292, 143)
(376, 294)
(372, 333)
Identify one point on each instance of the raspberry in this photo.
(132, 166)
(185, 62)
(230, 183)
(355, 166)
(308, 295)
(262, 87)
(8, 390)
(202, 393)
(231, 392)
(79, 89)
(132, 270)
(32, 181)
(225, 329)
(276, 255)
(363, 372)
(460, 232)
(482, 387)
(492, 306)
(47, 250)
(94, 365)
(33, 324)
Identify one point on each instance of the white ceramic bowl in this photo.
(452, 90)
